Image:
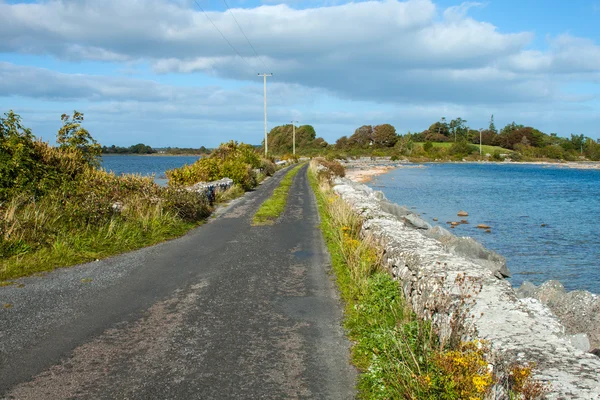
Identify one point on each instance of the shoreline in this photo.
(362, 171)
(555, 329)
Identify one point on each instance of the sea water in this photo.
(145, 165)
(544, 219)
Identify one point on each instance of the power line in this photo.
(243, 33)
(222, 35)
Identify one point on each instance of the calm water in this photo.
(515, 200)
(145, 165)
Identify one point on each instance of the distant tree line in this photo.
(141, 148)
(443, 139)
(184, 150)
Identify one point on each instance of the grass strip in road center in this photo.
(272, 208)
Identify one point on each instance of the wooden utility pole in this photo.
(265, 79)
(294, 136)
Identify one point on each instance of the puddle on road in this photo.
(302, 254)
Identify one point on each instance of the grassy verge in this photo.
(399, 355)
(76, 247)
(272, 208)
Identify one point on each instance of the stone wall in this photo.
(426, 261)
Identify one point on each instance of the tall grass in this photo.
(91, 215)
(101, 215)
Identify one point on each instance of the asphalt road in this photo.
(229, 311)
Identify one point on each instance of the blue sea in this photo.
(544, 219)
(145, 165)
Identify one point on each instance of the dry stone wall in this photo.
(426, 261)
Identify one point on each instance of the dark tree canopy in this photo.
(384, 136)
(362, 137)
(280, 139)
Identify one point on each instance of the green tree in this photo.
(362, 137)
(341, 143)
(577, 141)
(18, 156)
(492, 127)
(405, 144)
(141, 148)
(384, 135)
(73, 136)
(440, 128)
(459, 129)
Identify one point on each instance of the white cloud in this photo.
(319, 47)
(391, 52)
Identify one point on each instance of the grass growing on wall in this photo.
(272, 208)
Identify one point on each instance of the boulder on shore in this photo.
(470, 248)
(462, 213)
(578, 310)
(483, 226)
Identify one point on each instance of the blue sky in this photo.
(158, 72)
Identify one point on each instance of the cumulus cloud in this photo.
(373, 38)
(390, 51)
(124, 94)
(380, 50)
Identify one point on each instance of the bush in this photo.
(189, 206)
(57, 209)
(496, 156)
(461, 149)
(229, 160)
(267, 167)
(427, 147)
(335, 167)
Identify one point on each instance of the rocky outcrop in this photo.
(578, 310)
(427, 263)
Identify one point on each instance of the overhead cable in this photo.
(243, 33)
(222, 35)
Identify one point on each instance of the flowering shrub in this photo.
(463, 372)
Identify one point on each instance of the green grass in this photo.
(374, 306)
(485, 148)
(76, 247)
(272, 208)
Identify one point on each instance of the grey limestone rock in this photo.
(472, 249)
(394, 209)
(580, 341)
(578, 310)
(416, 222)
(527, 289)
(439, 233)
(427, 262)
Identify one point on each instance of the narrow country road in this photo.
(229, 311)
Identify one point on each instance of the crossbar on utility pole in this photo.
(294, 136)
(265, 79)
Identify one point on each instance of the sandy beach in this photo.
(365, 174)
